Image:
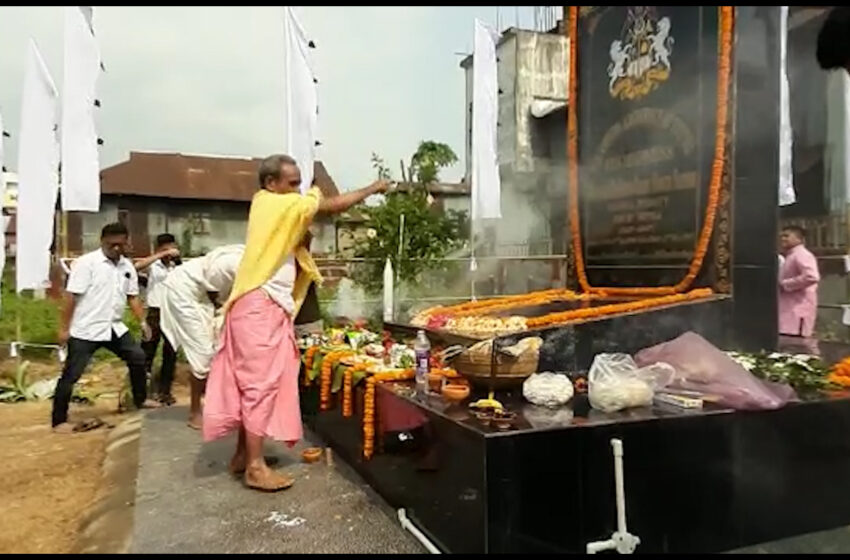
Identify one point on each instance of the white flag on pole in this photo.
(80, 162)
(301, 96)
(486, 185)
(38, 180)
(786, 136)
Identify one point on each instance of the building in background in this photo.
(10, 208)
(532, 76)
(202, 200)
(532, 151)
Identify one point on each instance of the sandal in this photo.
(89, 425)
(273, 481)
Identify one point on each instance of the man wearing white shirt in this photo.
(100, 285)
(159, 265)
(190, 296)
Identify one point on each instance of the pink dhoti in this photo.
(253, 380)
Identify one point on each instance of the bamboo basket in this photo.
(510, 372)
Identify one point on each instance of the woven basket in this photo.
(510, 372)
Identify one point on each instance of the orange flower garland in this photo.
(369, 406)
(347, 409)
(505, 302)
(724, 66)
(593, 312)
(309, 356)
(327, 370)
(840, 374)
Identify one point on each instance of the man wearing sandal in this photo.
(100, 286)
(253, 380)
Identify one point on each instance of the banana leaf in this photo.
(317, 366)
(339, 370)
(357, 377)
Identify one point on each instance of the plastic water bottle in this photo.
(422, 349)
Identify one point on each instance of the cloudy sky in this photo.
(209, 79)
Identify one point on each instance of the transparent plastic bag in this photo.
(615, 382)
(703, 368)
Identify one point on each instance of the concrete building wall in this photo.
(457, 203)
(211, 224)
(531, 151)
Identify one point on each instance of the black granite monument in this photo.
(710, 481)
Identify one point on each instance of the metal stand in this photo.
(621, 541)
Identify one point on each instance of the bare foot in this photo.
(237, 464)
(150, 403)
(64, 428)
(266, 480)
(196, 421)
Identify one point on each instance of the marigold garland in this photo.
(369, 405)
(723, 73)
(594, 312)
(328, 364)
(503, 303)
(840, 374)
(347, 377)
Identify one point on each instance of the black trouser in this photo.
(169, 356)
(79, 356)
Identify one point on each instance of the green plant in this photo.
(803, 373)
(19, 390)
(383, 170)
(428, 236)
(430, 157)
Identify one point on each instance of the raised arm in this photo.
(343, 202)
(144, 263)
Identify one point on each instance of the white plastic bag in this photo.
(615, 382)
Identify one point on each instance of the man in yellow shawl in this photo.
(253, 379)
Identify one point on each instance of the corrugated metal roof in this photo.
(195, 177)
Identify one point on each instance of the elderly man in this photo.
(100, 286)
(253, 381)
(798, 288)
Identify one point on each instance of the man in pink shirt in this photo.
(798, 285)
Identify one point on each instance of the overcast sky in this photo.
(210, 79)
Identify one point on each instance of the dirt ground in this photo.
(51, 480)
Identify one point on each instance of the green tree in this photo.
(430, 157)
(429, 235)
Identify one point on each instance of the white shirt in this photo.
(279, 287)
(214, 272)
(101, 288)
(157, 273)
(220, 268)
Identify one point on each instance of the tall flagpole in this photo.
(287, 62)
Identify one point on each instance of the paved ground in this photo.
(187, 503)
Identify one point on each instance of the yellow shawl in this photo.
(276, 225)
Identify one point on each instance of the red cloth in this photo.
(396, 414)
